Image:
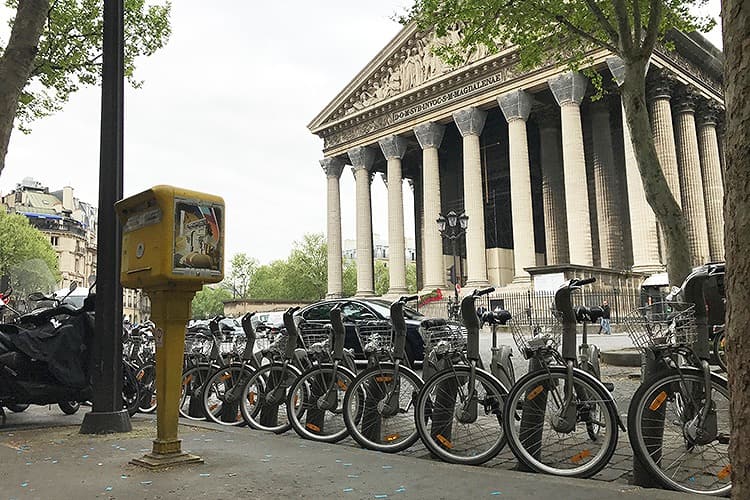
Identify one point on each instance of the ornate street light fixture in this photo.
(452, 226)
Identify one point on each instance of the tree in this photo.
(26, 255)
(268, 281)
(565, 31)
(54, 48)
(242, 270)
(349, 277)
(382, 278)
(735, 16)
(209, 302)
(307, 268)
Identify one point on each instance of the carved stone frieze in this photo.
(685, 64)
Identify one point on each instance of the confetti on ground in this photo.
(353, 475)
(207, 440)
(338, 461)
(28, 463)
(123, 476)
(145, 483)
(347, 465)
(388, 467)
(204, 474)
(348, 490)
(99, 464)
(381, 495)
(495, 493)
(144, 449)
(264, 460)
(401, 489)
(108, 488)
(85, 456)
(229, 440)
(23, 485)
(269, 456)
(54, 461)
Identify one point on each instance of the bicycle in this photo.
(264, 396)
(379, 404)
(318, 394)
(720, 344)
(560, 419)
(459, 410)
(678, 419)
(221, 395)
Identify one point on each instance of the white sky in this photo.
(224, 109)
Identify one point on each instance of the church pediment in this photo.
(406, 64)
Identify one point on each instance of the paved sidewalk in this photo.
(57, 462)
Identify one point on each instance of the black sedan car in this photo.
(354, 309)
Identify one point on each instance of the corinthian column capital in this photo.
(684, 100)
(569, 87)
(429, 135)
(393, 146)
(332, 166)
(516, 105)
(361, 157)
(707, 112)
(660, 85)
(470, 121)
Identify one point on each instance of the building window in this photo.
(54, 240)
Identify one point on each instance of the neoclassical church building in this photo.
(546, 175)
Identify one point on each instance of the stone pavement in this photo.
(57, 462)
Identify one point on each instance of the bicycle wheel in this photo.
(459, 419)
(222, 393)
(720, 342)
(191, 397)
(660, 418)
(379, 408)
(315, 403)
(577, 446)
(264, 397)
(146, 376)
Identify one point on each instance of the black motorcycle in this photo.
(45, 358)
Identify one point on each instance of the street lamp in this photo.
(453, 226)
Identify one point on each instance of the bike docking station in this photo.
(172, 244)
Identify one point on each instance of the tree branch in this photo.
(652, 31)
(588, 36)
(623, 23)
(606, 25)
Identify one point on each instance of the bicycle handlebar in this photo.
(339, 332)
(291, 331)
(580, 283)
(247, 326)
(399, 325)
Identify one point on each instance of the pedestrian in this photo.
(480, 314)
(604, 324)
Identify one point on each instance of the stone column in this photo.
(516, 106)
(553, 190)
(470, 122)
(660, 93)
(643, 229)
(393, 148)
(691, 182)
(606, 188)
(362, 158)
(713, 189)
(430, 135)
(569, 89)
(333, 168)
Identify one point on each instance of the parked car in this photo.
(362, 310)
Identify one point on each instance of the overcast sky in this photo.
(224, 109)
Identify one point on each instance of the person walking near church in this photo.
(604, 324)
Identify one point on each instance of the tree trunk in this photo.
(17, 62)
(658, 195)
(736, 26)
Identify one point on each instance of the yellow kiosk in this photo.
(172, 243)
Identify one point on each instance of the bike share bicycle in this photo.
(560, 419)
(315, 400)
(678, 419)
(223, 390)
(459, 409)
(379, 403)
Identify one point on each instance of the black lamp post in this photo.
(453, 226)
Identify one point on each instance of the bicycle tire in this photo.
(527, 419)
(191, 401)
(704, 469)
(258, 408)
(447, 437)
(146, 376)
(214, 401)
(325, 426)
(365, 422)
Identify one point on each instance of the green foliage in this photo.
(70, 51)
(350, 277)
(411, 277)
(382, 278)
(242, 270)
(26, 255)
(209, 302)
(554, 30)
(268, 281)
(306, 276)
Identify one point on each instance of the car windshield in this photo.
(383, 307)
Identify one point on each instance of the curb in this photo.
(629, 356)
